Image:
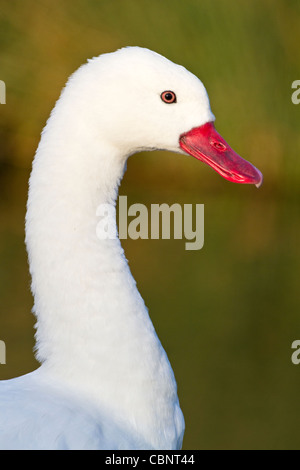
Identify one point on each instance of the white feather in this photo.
(105, 381)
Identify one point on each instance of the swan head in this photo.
(142, 101)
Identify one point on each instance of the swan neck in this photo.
(93, 330)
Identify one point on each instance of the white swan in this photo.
(105, 381)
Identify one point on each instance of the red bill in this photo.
(206, 144)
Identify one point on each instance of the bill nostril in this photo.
(218, 146)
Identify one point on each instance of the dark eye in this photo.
(168, 96)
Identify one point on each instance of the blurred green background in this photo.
(227, 314)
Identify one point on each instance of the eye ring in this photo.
(168, 97)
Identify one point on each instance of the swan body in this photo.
(105, 381)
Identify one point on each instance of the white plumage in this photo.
(105, 381)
